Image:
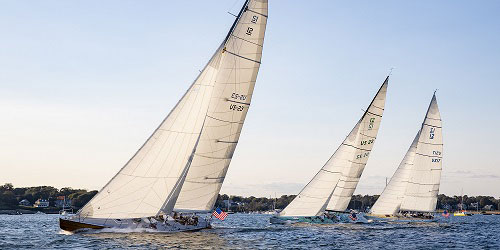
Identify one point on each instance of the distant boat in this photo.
(171, 184)
(412, 192)
(326, 197)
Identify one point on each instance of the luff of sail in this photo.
(227, 111)
(339, 176)
(390, 200)
(141, 188)
(423, 184)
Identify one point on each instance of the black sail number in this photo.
(236, 107)
(249, 31)
(254, 19)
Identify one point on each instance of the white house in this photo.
(25, 202)
(41, 203)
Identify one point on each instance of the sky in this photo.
(84, 83)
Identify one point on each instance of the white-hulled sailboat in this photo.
(413, 189)
(172, 182)
(326, 197)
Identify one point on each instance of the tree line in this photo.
(358, 202)
(10, 197)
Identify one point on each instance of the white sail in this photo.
(390, 200)
(151, 181)
(332, 187)
(423, 184)
(228, 108)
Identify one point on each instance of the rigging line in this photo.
(229, 100)
(255, 12)
(246, 40)
(240, 56)
(232, 14)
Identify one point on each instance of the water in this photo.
(245, 231)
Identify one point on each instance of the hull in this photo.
(397, 218)
(330, 218)
(170, 225)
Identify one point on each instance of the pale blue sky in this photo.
(84, 83)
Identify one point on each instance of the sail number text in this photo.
(436, 152)
(237, 96)
(236, 107)
(363, 155)
(367, 142)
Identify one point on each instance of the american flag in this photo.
(219, 214)
(353, 217)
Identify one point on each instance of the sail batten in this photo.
(332, 187)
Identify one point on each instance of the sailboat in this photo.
(326, 197)
(171, 183)
(412, 192)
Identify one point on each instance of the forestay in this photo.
(332, 187)
(423, 184)
(151, 181)
(229, 105)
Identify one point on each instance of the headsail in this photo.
(149, 182)
(228, 108)
(332, 187)
(415, 184)
(423, 184)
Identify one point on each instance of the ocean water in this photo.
(252, 231)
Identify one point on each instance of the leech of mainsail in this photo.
(228, 109)
(415, 184)
(150, 180)
(332, 187)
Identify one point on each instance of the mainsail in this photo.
(423, 184)
(332, 187)
(228, 108)
(415, 184)
(214, 105)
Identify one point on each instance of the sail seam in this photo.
(246, 40)
(331, 171)
(433, 156)
(373, 113)
(229, 100)
(431, 125)
(222, 120)
(356, 147)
